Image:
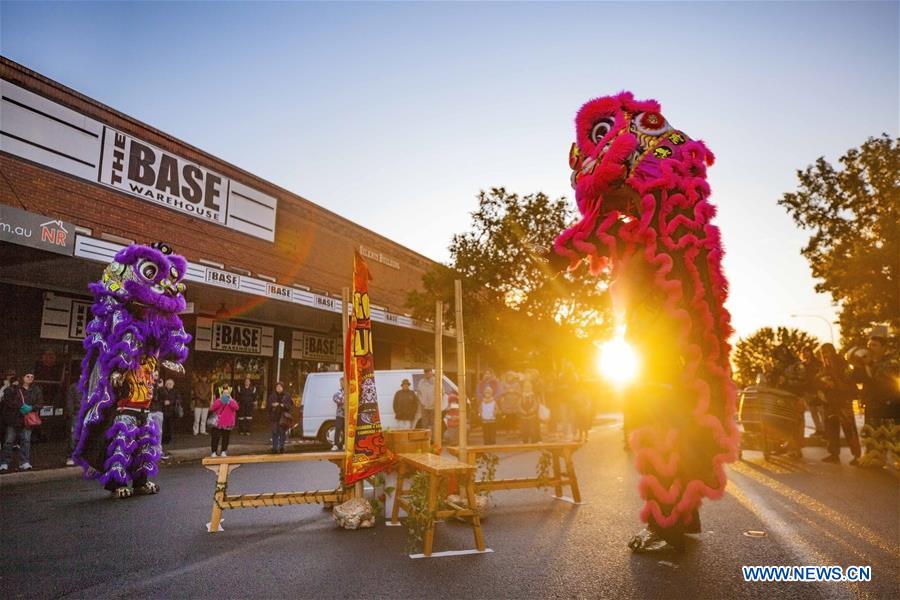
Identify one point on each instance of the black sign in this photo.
(36, 231)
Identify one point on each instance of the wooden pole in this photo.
(438, 375)
(345, 327)
(461, 369)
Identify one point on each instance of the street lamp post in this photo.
(830, 328)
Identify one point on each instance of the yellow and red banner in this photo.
(366, 452)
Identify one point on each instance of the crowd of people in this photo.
(828, 383)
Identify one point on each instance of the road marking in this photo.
(451, 553)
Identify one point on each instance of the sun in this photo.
(617, 361)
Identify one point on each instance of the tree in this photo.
(768, 349)
(854, 214)
(515, 308)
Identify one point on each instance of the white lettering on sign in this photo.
(223, 278)
(229, 337)
(278, 291)
(379, 257)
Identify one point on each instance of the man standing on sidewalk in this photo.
(201, 392)
(425, 392)
(247, 397)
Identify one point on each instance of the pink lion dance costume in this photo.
(641, 188)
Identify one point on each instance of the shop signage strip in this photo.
(43, 131)
(103, 251)
(36, 231)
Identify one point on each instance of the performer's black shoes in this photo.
(647, 541)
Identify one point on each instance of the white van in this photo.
(318, 407)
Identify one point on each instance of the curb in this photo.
(178, 457)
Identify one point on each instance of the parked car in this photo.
(318, 408)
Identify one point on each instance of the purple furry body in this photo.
(136, 305)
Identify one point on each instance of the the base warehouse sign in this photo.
(230, 337)
(48, 133)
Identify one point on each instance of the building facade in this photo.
(81, 180)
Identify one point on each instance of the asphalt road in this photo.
(68, 539)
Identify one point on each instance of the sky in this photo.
(395, 115)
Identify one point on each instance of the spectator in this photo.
(584, 414)
(879, 378)
(529, 420)
(156, 407)
(802, 380)
(425, 392)
(339, 415)
(171, 403)
(18, 401)
(489, 414)
(406, 405)
(200, 394)
(488, 380)
(73, 406)
(247, 397)
(839, 390)
(223, 411)
(9, 379)
(279, 404)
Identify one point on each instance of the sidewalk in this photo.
(49, 458)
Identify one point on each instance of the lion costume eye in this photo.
(148, 270)
(173, 274)
(601, 129)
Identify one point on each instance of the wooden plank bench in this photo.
(223, 466)
(560, 452)
(437, 468)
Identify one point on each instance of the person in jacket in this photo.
(839, 390)
(223, 412)
(201, 393)
(529, 419)
(73, 405)
(280, 404)
(171, 400)
(406, 405)
(18, 401)
(247, 397)
(339, 416)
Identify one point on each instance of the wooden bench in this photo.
(223, 466)
(560, 451)
(437, 468)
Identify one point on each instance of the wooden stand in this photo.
(223, 466)
(560, 451)
(437, 468)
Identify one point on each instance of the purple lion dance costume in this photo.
(641, 188)
(135, 330)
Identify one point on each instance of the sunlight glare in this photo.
(617, 361)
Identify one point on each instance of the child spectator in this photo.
(489, 413)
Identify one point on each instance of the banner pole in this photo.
(345, 326)
(461, 372)
(437, 425)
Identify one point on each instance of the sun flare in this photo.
(617, 361)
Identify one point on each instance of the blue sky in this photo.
(395, 115)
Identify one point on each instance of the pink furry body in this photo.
(642, 192)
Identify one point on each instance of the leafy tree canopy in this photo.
(854, 216)
(767, 350)
(513, 305)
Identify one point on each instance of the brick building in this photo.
(81, 180)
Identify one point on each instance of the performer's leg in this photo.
(144, 462)
(122, 443)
